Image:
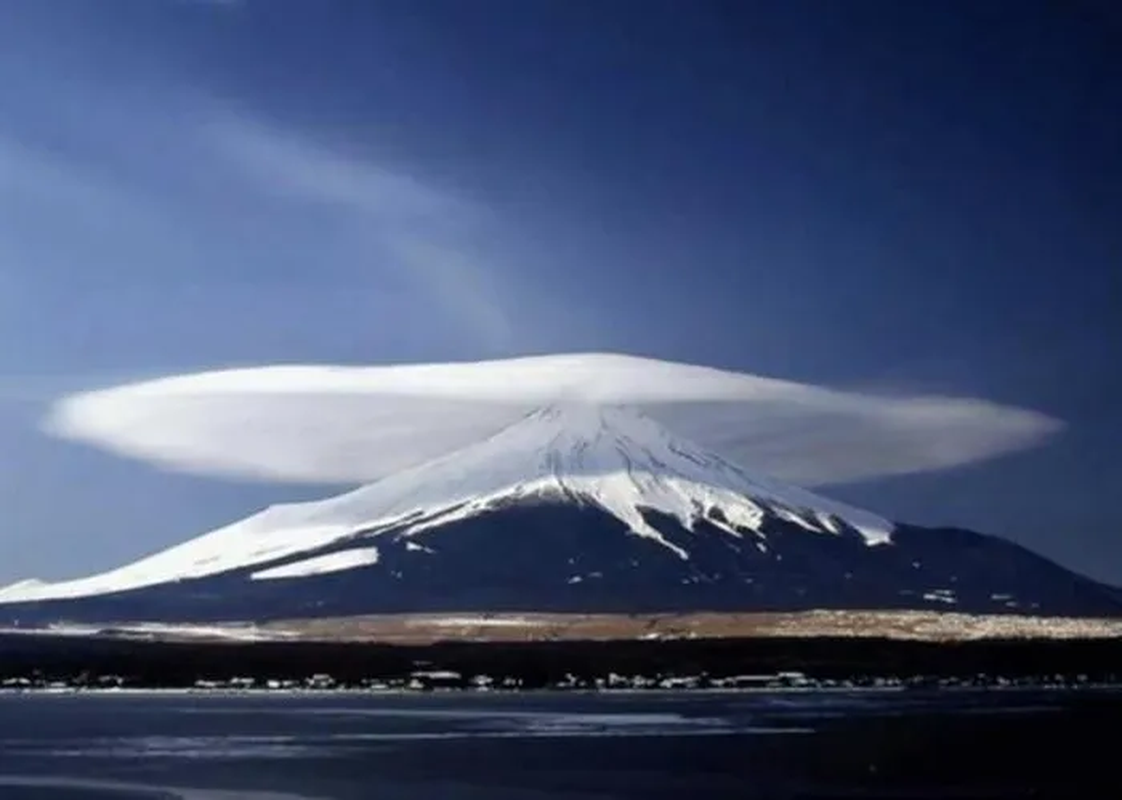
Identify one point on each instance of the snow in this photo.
(492, 622)
(941, 595)
(354, 425)
(623, 462)
(617, 459)
(232, 632)
(321, 565)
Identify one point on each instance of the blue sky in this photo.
(895, 196)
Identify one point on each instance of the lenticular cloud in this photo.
(324, 424)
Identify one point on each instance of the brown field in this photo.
(921, 625)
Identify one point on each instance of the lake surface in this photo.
(542, 746)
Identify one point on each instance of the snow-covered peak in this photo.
(612, 457)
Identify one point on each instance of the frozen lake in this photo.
(540, 746)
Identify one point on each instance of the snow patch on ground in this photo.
(233, 632)
(493, 622)
(942, 596)
(320, 565)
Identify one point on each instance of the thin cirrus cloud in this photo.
(242, 199)
(392, 219)
(331, 424)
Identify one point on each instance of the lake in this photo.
(560, 746)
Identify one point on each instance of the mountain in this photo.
(572, 508)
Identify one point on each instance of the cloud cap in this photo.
(348, 424)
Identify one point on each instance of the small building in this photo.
(436, 679)
(320, 680)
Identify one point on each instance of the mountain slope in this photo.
(609, 458)
(573, 507)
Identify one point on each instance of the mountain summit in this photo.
(574, 507)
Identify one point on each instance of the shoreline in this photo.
(348, 691)
(690, 664)
(900, 625)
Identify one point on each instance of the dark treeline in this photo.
(173, 664)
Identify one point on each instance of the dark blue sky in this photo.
(894, 196)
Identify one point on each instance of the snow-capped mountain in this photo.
(573, 507)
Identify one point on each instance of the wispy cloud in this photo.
(50, 200)
(399, 221)
(117, 211)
